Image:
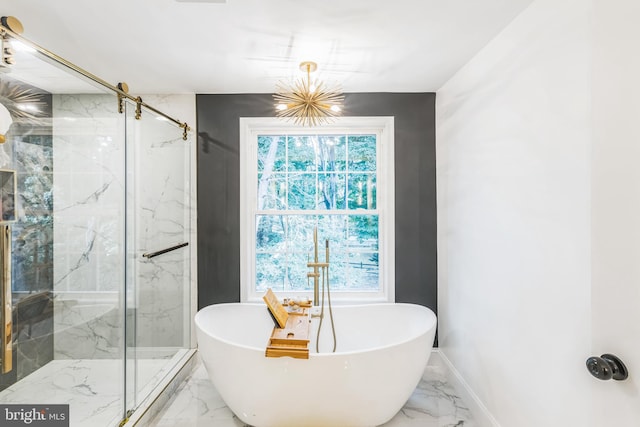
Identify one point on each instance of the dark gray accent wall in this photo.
(219, 189)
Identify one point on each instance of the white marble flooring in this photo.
(92, 388)
(434, 403)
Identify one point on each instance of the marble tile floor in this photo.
(434, 403)
(92, 388)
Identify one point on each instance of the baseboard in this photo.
(482, 416)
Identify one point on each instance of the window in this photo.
(337, 178)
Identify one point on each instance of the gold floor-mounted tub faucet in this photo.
(317, 267)
(324, 268)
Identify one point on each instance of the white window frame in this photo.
(383, 127)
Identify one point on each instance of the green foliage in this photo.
(299, 176)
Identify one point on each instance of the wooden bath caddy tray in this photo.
(292, 337)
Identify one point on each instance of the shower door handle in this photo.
(7, 309)
(150, 255)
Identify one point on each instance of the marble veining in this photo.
(87, 386)
(88, 142)
(87, 331)
(92, 388)
(89, 215)
(434, 403)
(162, 219)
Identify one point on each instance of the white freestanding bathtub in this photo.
(381, 354)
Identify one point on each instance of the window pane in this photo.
(270, 233)
(270, 272)
(297, 272)
(363, 271)
(333, 228)
(332, 191)
(363, 233)
(272, 191)
(302, 153)
(300, 233)
(332, 153)
(332, 173)
(302, 191)
(271, 153)
(362, 191)
(362, 153)
(338, 272)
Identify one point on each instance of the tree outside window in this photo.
(328, 181)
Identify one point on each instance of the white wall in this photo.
(523, 133)
(616, 205)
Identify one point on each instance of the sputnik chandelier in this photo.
(307, 102)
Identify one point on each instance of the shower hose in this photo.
(333, 329)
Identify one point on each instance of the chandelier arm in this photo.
(296, 101)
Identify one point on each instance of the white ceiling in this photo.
(246, 46)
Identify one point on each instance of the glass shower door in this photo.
(158, 291)
(94, 308)
(62, 199)
(26, 236)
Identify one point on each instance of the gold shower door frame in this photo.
(7, 309)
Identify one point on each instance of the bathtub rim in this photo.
(427, 330)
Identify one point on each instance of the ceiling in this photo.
(246, 46)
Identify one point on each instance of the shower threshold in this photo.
(93, 388)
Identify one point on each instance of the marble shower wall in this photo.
(89, 226)
(183, 107)
(161, 194)
(89, 212)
